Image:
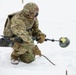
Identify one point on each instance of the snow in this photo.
(57, 18)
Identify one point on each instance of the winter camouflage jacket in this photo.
(17, 24)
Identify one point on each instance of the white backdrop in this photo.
(57, 18)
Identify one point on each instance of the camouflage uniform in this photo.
(22, 25)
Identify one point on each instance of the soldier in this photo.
(24, 24)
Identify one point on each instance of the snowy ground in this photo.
(57, 19)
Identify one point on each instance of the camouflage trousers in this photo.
(25, 52)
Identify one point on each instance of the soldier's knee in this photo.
(27, 58)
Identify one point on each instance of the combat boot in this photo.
(14, 59)
(15, 62)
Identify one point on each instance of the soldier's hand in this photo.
(37, 51)
(41, 38)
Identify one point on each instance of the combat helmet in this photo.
(31, 10)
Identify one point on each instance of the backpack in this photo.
(7, 27)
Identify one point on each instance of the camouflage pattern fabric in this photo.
(19, 25)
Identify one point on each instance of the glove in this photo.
(37, 51)
(41, 38)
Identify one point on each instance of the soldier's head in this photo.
(31, 10)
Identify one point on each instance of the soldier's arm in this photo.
(19, 29)
(36, 30)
